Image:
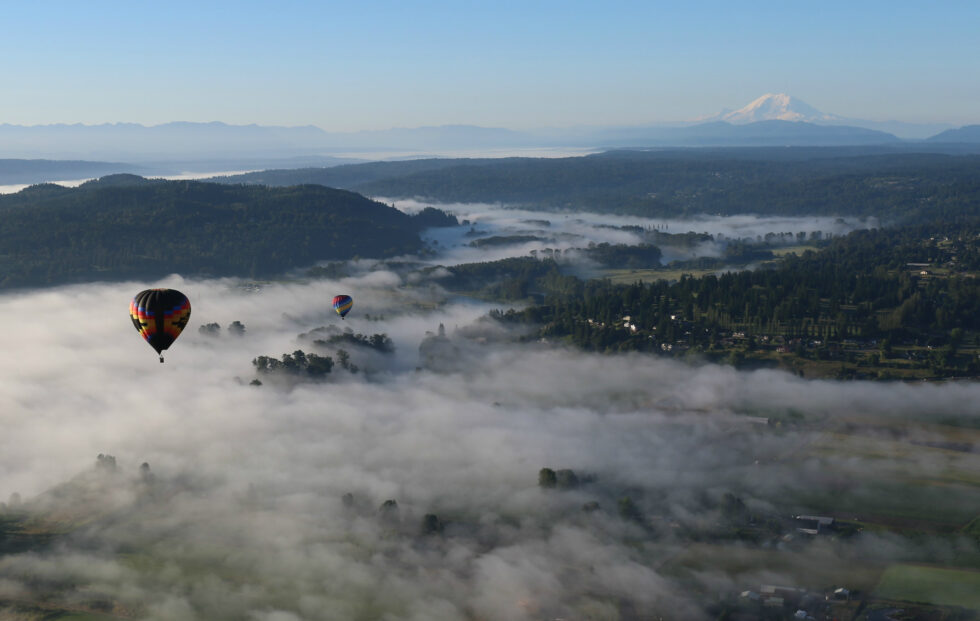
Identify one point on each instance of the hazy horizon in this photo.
(519, 66)
(544, 129)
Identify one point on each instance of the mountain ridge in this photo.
(967, 133)
(187, 141)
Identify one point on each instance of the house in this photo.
(771, 594)
(813, 524)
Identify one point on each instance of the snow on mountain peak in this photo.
(777, 106)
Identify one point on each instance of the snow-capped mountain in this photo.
(782, 107)
(775, 107)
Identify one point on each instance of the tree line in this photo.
(128, 227)
(915, 283)
(906, 187)
(800, 181)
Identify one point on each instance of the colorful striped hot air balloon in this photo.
(342, 304)
(159, 316)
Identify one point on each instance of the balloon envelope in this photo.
(159, 316)
(342, 304)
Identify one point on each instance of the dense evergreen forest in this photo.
(897, 186)
(857, 301)
(129, 227)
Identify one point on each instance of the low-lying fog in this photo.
(247, 516)
(561, 231)
(17, 187)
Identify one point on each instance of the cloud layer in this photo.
(265, 502)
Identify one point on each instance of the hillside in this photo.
(967, 133)
(129, 227)
(654, 183)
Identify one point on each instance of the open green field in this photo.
(933, 585)
(915, 485)
(785, 250)
(626, 277)
(19, 611)
(816, 567)
(898, 506)
(629, 276)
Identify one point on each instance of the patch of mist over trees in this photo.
(626, 527)
(544, 273)
(333, 336)
(507, 279)
(213, 329)
(333, 270)
(505, 240)
(624, 256)
(128, 227)
(301, 365)
(298, 364)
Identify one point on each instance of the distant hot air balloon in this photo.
(342, 304)
(159, 316)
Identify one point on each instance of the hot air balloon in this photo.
(159, 316)
(342, 304)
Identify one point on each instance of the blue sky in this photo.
(348, 66)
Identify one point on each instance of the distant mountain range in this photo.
(968, 133)
(783, 107)
(771, 120)
(769, 133)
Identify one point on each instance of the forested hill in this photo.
(800, 181)
(128, 227)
